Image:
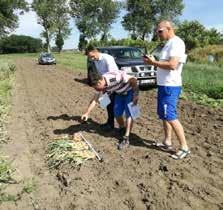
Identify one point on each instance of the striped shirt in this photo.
(117, 82)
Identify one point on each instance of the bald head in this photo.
(165, 30)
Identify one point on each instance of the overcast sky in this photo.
(207, 12)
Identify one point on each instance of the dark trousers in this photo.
(110, 110)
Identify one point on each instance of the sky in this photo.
(207, 12)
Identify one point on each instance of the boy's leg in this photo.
(120, 121)
(129, 124)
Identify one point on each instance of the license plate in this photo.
(147, 81)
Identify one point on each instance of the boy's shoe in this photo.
(124, 143)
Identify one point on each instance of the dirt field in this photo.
(48, 101)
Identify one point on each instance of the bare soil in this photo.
(47, 103)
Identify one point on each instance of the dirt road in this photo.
(47, 103)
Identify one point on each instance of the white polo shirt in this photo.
(105, 63)
(174, 47)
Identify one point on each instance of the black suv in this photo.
(129, 59)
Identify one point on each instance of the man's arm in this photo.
(133, 83)
(171, 64)
(90, 106)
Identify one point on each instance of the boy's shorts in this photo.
(121, 103)
(167, 102)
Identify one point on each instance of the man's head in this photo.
(165, 30)
(97, 81)
(92, 52)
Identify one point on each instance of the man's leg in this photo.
(167, 132)
(179, 131)
(110, 111)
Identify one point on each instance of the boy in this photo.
(126, 90)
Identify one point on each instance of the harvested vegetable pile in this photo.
(68, 150)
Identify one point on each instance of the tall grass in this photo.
(7, 69)
(204, 78)
(200, 55)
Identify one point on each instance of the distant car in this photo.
(129, 59)
(46, 58)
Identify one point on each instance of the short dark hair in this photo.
(94, 77)
(90, 48)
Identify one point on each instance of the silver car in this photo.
(46, 58)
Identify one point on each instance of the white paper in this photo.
(134, 110)
(104, 101)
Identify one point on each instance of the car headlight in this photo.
(142, 74)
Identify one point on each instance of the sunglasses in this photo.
(160, 31)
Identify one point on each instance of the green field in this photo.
(202, 82)
(204, 78)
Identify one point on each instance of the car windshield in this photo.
(127, 53)
(124, 53)
(47, 55)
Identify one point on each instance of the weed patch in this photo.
(68, 151)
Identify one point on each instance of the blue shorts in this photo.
(121, 104)
(167, 102)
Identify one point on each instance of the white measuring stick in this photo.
(97, 155)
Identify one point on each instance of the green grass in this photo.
(29, 186)
(74, 61)
(205, 79)
(7, 69)
(6, 170)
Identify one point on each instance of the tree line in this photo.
(94, 19)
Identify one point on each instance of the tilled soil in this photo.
(47, 103)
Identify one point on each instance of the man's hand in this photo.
(148, 59)
(84, 117)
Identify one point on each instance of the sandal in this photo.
(163, 145)
(181, 154)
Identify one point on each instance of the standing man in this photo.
(104, 63)
(169, 81)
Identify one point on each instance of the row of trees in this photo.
(94, 18)
(20, 44)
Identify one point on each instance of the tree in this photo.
(138, 19)
(93, 17)
(45, 10)
(195, 34)
(108, 12)
(143, 15)
(59, 41)
(8, 17)
(20, 44)
(61, 22)
(167, 9)
(214, 36)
